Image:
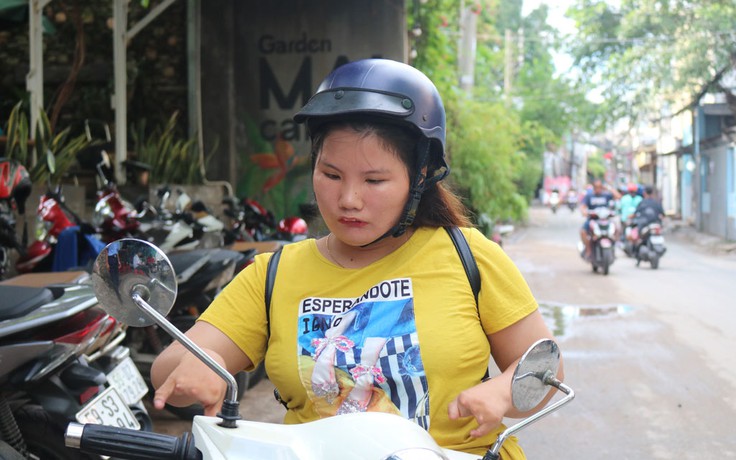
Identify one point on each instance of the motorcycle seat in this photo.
(20, 300)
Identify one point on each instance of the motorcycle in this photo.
(602, 232)
(554, 201)
(62, 242)
(145, 300)
(113, 217)
(250, 221)
(572, 200)
(190, 226)
(8, 238)
(650, 245)
(15, 186)
(61, 361)
(630, 236)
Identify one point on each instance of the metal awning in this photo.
(121, 37)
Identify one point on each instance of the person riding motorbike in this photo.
(647, 212)
(598, 197)
(571, 199)
(627, 206)
(554, 199)
(347, 336)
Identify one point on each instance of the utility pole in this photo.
(468, 42)
(508, 67)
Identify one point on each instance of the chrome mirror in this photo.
(528, 387)
(129, 266)
(534, 376)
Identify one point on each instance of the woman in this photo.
(378, 315)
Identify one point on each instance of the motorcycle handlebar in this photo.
(130, 444)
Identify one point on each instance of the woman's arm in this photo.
(182, 379)
(490, 401)
(508, 345)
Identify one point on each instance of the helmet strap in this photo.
(419, 184)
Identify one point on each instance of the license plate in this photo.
(656, 239)
(108, 408)
(128, 381)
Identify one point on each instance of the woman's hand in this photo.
(193, 381)
(182, 379)
(488, 402)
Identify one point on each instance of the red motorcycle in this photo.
(253, 222)
(15, 186)
(62, 242)
(113, 217)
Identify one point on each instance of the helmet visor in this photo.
(351, 101)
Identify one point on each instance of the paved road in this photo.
(649, 352)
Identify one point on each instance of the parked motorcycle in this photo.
(650, 245)
(602, 234)
(61, 361)
(63, 240)
(8, 238)
(250, 221)
(113, 217)
(190, 226)
(145, 300)
(15, 186)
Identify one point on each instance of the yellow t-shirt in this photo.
(415, 304)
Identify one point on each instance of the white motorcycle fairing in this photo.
(368, 435)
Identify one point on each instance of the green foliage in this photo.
(436, 47)
(173, 159)
(646, 54)
(596, 166)
(496, 150)
(55, 154)
(483, 145)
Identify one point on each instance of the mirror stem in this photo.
(548, 379)
(230, 412)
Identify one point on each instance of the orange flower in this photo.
(282, 158)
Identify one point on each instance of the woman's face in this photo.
(361, 186)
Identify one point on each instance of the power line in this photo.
(592, 40)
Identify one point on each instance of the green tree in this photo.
(486, 158)
(496, 149)
(648, 54)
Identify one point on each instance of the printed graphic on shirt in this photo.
(362, 354)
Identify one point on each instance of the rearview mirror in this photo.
(128, 266)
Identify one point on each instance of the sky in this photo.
(556, 18)
(557, 10)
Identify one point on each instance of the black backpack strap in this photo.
(273, 264)
(466, 256)
(471, 268)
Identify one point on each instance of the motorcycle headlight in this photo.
(102, 211)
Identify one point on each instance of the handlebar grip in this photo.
(130, 444)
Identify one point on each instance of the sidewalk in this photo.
(682, 231)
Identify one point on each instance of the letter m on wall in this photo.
(302, 85)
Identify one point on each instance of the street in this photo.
(649, 353)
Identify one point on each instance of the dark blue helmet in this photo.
(385, 90)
